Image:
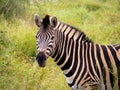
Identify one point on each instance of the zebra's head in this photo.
(45, 40)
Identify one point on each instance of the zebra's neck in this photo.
(68, 54)
(67, 42)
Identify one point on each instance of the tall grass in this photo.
(99, 19)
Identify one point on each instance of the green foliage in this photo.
(24, 39)
(13, 8)
(3, 40)
(99, 19)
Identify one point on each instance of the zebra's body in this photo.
(86, 65)
(89, 54)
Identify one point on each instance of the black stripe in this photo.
(118, 76)
(64, 53)
(100, 60)
(63, 38)
(117, 63)
(94, 60)
(69, 62)
(62, 27)
(107, 58)
(56, 50)
(81, 62)
(114, 55)
(118, 47)
(51, 46)
(81, 34)
(59, 54)
(74, 33)
(64, 49)
(85, 67)
(75, 62)
(101, 64)
(89, 63)
(59, 26)
(84, 71)
(99, 57)
(79, 69)
(49, 34)
(69, 42)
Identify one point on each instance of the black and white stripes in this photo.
(86, 65)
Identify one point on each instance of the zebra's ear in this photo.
(37, 20)
(54, 21)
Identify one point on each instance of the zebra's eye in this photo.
(52, 37)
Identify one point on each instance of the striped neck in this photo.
(66, 38)
(69, 41)
(65, 34)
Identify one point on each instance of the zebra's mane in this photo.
(46, 21)
(85, 38)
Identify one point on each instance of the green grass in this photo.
(99, 19)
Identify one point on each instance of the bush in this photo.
(13, 8)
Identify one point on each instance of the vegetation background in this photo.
(99, 19)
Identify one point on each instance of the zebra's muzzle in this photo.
(41, 59)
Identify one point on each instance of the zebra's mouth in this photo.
(43, 64)
(41, 59)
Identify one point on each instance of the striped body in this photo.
(86, 65)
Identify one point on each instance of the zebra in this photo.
(86, 65)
